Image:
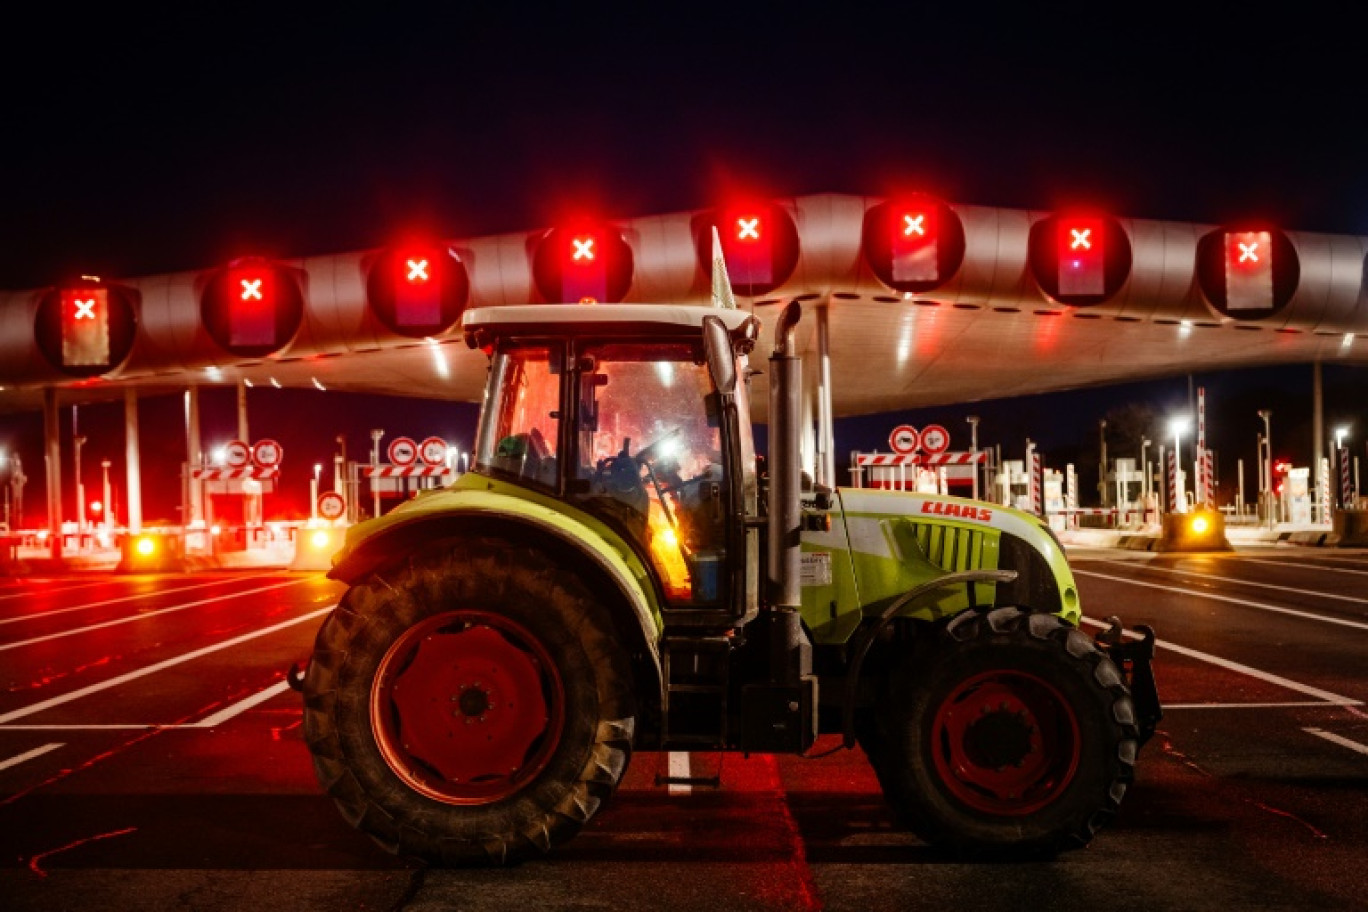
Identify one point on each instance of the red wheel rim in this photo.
(467, 707)
(1005, 743)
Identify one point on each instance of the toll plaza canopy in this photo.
(927, 302)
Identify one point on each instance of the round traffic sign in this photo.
(403, 451)
(267, 453)
(236, 453)
(904, 439)
(331, 505)
(935, 439)
(433, 451)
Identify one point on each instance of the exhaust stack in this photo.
(785, 488)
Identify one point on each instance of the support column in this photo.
(242, 414)
(52, 447)
(132, 462)
(1318, 441)
(194, 455)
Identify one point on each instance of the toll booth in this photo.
(1296, 497)
(1055, 500)
(1127, 483)
(1013, 485)
(233, 506)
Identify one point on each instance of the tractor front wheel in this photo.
(1013, 736)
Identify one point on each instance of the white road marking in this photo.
(1331, 698)
(1297, 704)
(125, 598)
(36, 752)
(1242, 582)
(159, 666)
(148, 614)
(1259, 560)
(1338, 739)
(1196, 593)
(241, 706)
(28, 593)
(217, 719)
(679, 769)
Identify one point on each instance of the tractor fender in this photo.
(609, 568)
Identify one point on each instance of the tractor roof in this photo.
(600, 319)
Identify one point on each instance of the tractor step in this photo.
(696, 686)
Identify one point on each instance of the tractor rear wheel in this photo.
(471, 706)
(1014, 736)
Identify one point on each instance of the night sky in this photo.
(143, 143)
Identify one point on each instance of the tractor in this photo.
(619, 571)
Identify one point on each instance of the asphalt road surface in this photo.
(151, 758)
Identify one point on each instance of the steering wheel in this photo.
(620, 475)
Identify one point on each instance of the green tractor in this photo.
(618, 571)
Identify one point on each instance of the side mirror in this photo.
(721, 359)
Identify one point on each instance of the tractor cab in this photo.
(626, 421)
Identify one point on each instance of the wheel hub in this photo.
(1005, 743)
(467, 707)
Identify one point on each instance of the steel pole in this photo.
(973, 451)
(53, 446)
(132, 462)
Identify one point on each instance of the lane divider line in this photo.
(125, 598)
(1260, 560)
(241, 706)
(1324, 695)
(1197, 593)
(1338, 739)
(679, 768)
(160, 666)
(1296, 704)
(28, 593)
(25, 757)
(146, 614)
(1240, 582)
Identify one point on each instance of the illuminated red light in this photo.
(252, 321)
(85, 328)
(417, 271)
(1249, 270)
(585, 262)
(915, 254)
(1082, 267)
(748, 228)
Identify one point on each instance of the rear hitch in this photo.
(1135, 658)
